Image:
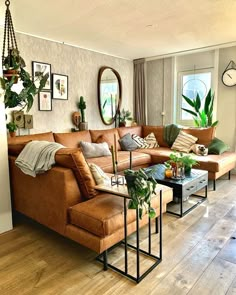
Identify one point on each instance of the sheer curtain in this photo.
(139, 92)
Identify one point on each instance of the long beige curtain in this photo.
(139, 92)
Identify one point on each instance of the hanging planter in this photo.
(13, 65)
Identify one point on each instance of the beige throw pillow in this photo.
(99, 175)
(151, 140)
(184, 142)
(93, 150)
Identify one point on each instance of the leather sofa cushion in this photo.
(158, 132)
(99, 136)
(47, 136)
(132, 130)
(74, 159)
(204, 135)
(138, 159)
(103, 215)
(72, 139)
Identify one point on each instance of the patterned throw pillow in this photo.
(141, 142)
(184, 142)
(151, 140)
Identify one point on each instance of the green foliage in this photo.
(11, 126)
(13, 60)
(82, 106)
(187, 160)
(202, 115)
(140, 191)
(26, 97)
(125, 115)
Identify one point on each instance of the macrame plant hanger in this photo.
(12, 62)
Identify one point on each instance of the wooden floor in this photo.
(199, 256)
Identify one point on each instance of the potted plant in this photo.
(12, 127)
(25, 97)
(202, 115)
(178, 160)
(123, 116)
(140, 188)
(82, 106)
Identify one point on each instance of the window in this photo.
(190, 83)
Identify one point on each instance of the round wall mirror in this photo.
(109, 94)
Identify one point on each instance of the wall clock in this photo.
(229, 75)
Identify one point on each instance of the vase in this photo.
(122, 124)
(83, 126)
(187, 169)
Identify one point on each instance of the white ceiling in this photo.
(127, 28)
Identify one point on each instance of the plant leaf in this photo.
(190, 112)
(189, 101)
(197, 103)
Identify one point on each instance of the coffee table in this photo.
(184, 190)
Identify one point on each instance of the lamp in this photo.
(12, 62)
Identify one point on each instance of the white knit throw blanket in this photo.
(37, 157)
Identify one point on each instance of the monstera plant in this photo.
(202, 115)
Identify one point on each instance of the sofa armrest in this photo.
(46, 197)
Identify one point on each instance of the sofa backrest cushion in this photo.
(74, 159)
(47, 136)
(137, 130)
(99, 136)
(72, 139)
(15, 149)
(204, 135)
(158, 132)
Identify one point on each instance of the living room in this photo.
(162, 69)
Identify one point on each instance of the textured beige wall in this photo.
(82, 67)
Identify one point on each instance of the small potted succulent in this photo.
(140, 188)
(123, 117)
(12, 127)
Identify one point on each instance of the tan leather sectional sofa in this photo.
(64, 198)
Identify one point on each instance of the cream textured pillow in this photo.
(151, 140)
(93, 150)
(184, 142)
(99, 175)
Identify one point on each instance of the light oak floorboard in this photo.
(198, 256)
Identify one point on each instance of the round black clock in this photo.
(229, 75)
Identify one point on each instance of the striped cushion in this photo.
(184, 142)
(141, 142)
(151, 140)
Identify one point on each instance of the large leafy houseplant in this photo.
(202, 115)
(25, 97)
(140, 188)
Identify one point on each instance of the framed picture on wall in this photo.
(45, 101)
(39, 69)
(60, 86)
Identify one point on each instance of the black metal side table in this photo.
(121, 191)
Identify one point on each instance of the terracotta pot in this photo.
(122, 124)
(12, 134)
(10, 73)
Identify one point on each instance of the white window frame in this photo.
(180, 91)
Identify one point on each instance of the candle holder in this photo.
(117, 180)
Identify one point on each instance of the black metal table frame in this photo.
(103, 257)
(203, 198)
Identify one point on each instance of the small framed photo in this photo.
(45, 101)
(60, 86)
(39, 69)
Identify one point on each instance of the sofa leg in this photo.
(214, 185)
(105, 260)
(229, 174)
